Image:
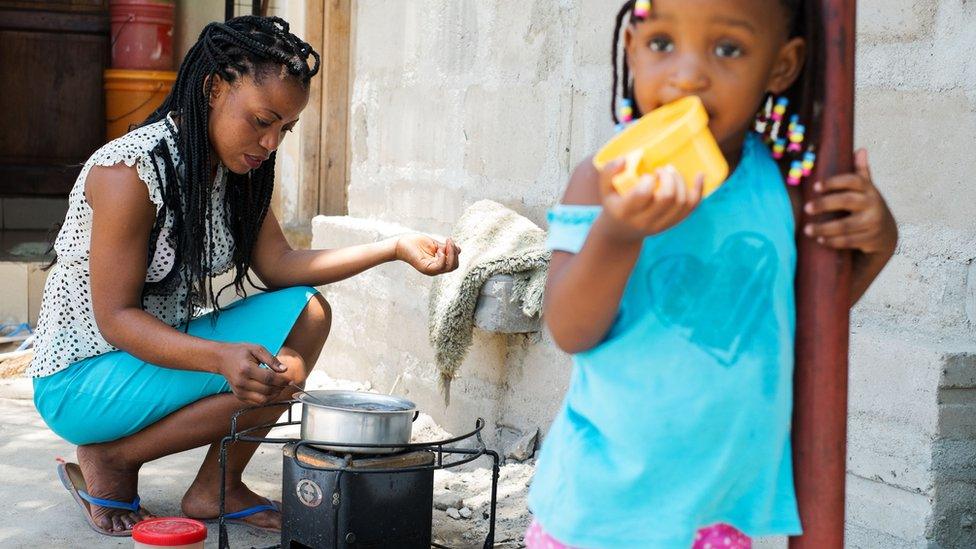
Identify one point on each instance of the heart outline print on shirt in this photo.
(689, 293)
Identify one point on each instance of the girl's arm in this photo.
(869, 229)
(280, 266)
(583, 291)
(122, 219)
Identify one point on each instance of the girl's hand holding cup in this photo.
(657, 203)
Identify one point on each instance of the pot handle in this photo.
(416, 414)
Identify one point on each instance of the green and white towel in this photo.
(493, 240)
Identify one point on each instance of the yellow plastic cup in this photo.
(675, 134)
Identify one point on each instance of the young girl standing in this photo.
(679, 311)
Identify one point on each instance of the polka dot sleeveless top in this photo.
(66, 330)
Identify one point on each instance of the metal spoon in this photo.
(307, 394)
(292, 384)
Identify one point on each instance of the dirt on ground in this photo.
(473, 487)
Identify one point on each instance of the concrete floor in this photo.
(39, 512)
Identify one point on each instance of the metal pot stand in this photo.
(354, 491)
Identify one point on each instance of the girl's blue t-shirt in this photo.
(680, 418)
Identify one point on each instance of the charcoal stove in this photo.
(338, 500)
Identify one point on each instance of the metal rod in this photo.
(490, 540)
(823, 301)
(223, 542)
(228, 9)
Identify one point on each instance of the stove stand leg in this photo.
(223, 542)
(490, 540)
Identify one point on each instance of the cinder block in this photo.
(895, 20)
(526, 40)
(419, 203)
(971, 293)
(892, 452)
(957, 415)
(895, 376)
(417, 127)
(450, 46)
(959, 371)
(537, 375)
(888, 516)
(955, 460)
(593, 29)
(895, 126)
(386, 38)
(954, 517)
(506, 130)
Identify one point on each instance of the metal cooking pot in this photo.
(351, 417)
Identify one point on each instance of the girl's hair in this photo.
(250, 45)
(804, 94)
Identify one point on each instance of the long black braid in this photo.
(248, 45)
(804, 94)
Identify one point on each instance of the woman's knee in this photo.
(315, 322)
(319, 315)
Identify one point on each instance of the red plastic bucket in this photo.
(142, 34)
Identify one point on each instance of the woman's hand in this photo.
(868, 226)
(657, 203)
(427, 255)
(240, 364)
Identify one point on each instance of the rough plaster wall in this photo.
(463, 100)
(912, 455)
(457, 100)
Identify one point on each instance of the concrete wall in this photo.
(453, 102)
(912, 443)
(458, 100)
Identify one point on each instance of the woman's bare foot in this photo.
(108, 477)
(203, 502)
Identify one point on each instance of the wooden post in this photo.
(333, 155)
(325, 122)
(311, 121)
(823, 300)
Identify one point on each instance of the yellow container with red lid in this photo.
(676, 134)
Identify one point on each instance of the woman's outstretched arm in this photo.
(279, 266)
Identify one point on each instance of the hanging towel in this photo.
(493, 240)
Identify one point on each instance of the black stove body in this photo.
(327, 504)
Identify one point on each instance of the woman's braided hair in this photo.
(250, 45)
(803, 94)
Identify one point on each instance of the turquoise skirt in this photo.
(114, 395)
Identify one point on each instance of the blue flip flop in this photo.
(237, 517)
(73, 481)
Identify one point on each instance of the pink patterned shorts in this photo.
(719, 536)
